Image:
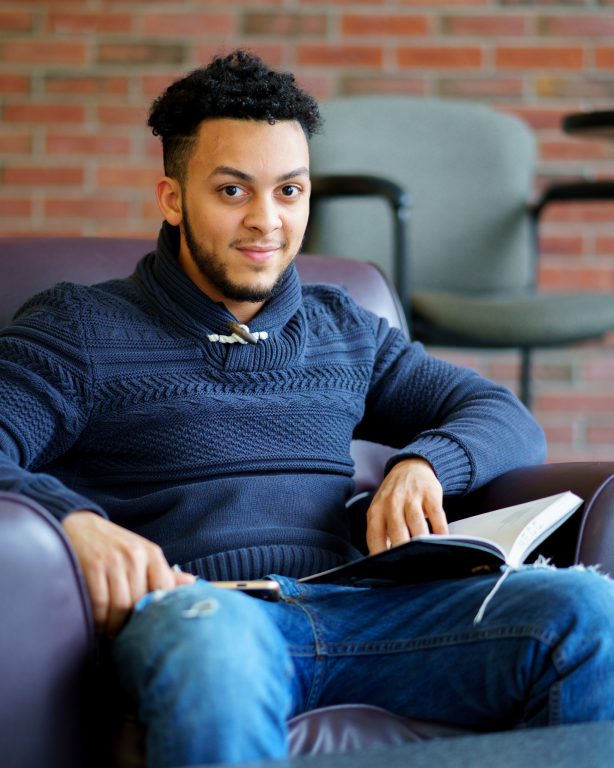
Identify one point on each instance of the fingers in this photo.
(159, 573)
(391, 523)
(408, 503)
(183, 578)
(436, 516)
(119, 568)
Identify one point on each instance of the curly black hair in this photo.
(240, 86)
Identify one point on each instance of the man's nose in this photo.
(262, 215)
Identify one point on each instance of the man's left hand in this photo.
(408, 503)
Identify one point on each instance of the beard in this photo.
(217, 273)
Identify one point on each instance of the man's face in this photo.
(244, 209)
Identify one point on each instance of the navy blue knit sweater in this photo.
(234, 458)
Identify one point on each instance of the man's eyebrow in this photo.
(227, 170)
(302, 171)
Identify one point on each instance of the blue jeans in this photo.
(217, 674)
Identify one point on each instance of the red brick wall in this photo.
(77, 76)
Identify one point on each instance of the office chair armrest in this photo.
(572, 192)
(361, 185)
(399, 201)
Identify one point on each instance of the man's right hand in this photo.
(119, 567)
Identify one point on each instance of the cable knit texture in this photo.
(234, 457)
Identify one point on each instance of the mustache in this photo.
(245, 242)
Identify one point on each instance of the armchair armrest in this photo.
(587, 537)
(46, 640)
(399, 200)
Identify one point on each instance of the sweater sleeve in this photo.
(44, 398)
(468, 428)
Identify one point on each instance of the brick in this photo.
(433, 57)
(540, 57)
(575, 87)
(41, 176)
(187, 24)
(141, 53)
(44, 113)
(370, 85)
(388, 25)
(572, 150)
(532, 3)
(274, 54)
(13, 83)
(576, 401)
(85, 208)
(16, 21)
(558, 433)
(319, 86)
(339, 55)
(562, 245)
(89, 21)
(596, 212)
(240, 4)
(83, 85)
(122, 177)
(540, 117)
(480, 87)
(599, 370)
(435, 3)
(284, 24)
(122, 115)
(558, 371)
(595, 25)
(83, 144)
(325, 3)
(601, 434)
(15, 143)
(152, 85)
(44, 52)
(604, 58)
(16, 207)
(584, 278)
(153, 147)
(604, 245)
(485, 26)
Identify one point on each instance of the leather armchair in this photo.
(49, 693)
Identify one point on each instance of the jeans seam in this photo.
(316, 649)
(401, 646)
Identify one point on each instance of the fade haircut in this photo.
(238, 86)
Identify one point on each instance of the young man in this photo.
(158, 437)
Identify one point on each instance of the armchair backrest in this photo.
(31, 264)
(469, 170)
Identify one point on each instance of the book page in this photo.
(520, 524)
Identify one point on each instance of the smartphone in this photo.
(265, 589)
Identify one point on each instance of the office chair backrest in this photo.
(469, 170)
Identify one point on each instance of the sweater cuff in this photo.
(57, 499)
(447, 457)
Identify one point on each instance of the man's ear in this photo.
(168, 192)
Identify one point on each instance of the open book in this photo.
(474, 545)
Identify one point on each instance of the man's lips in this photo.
(259, 253)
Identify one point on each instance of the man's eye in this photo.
(232, 190)
(290, 190)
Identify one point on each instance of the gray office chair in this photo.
(465, 261)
